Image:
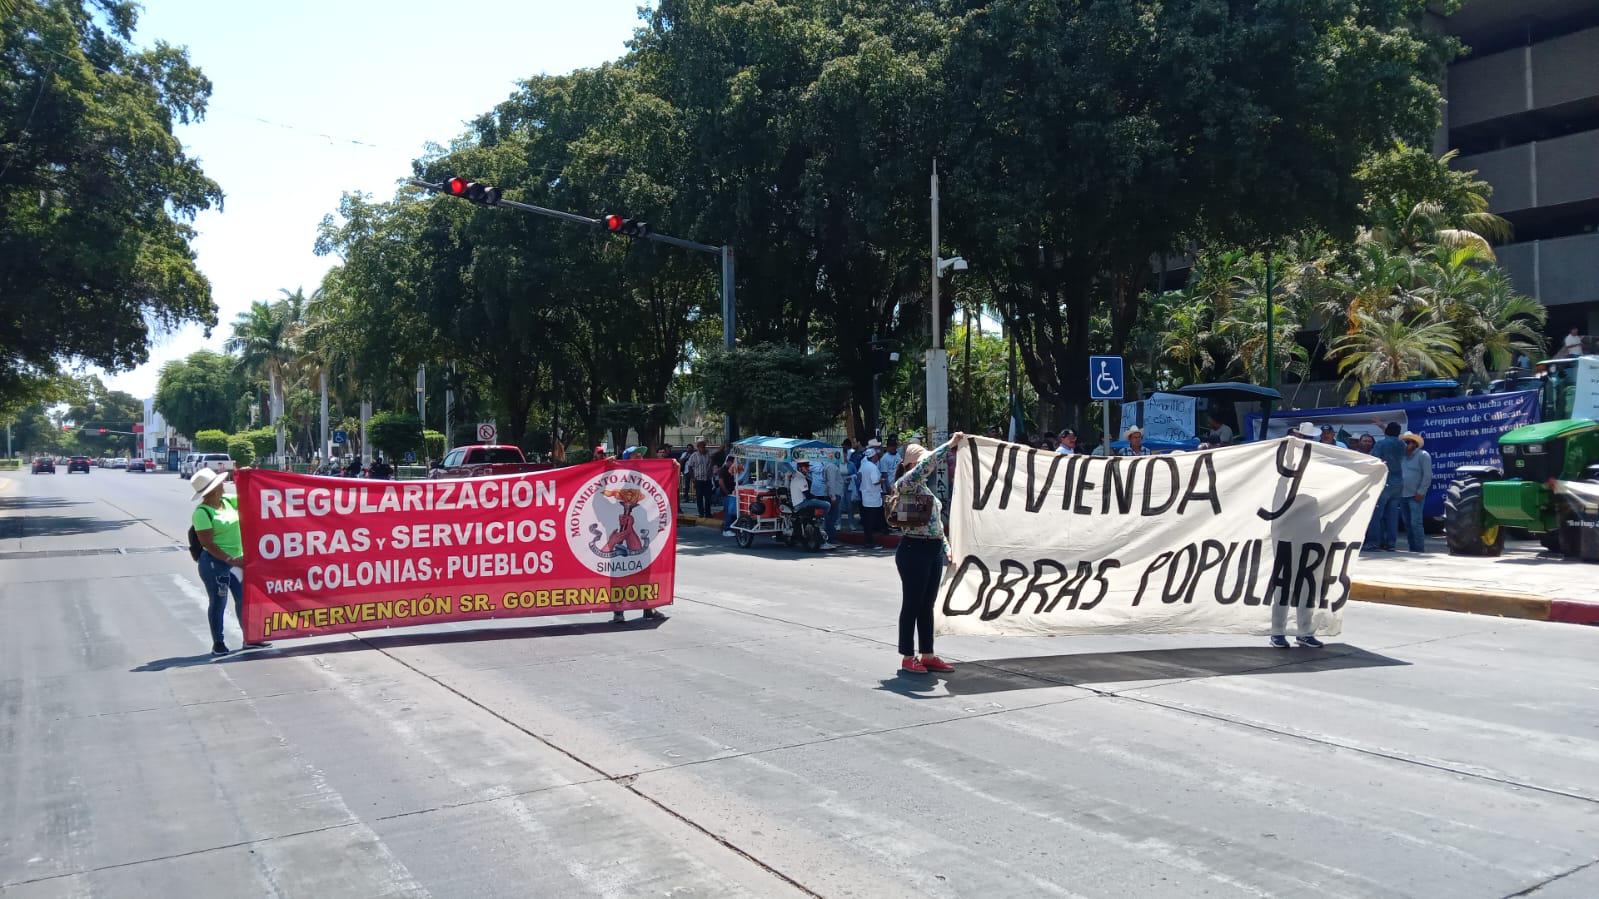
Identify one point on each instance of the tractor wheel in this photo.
(1464, 522)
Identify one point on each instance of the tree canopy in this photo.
(96, 191)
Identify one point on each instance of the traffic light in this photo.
(626, 227)
(482, 194)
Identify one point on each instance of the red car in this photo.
(136, 465)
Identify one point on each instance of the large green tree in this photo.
(96, 191)
(197, 393)
(1085, 138)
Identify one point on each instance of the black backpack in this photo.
(195, 549)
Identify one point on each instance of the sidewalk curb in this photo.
(1478, 602)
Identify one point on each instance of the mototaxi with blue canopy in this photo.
(764, 466)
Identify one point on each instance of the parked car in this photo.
(220, 462)
(137, 465)
(44, 465)
(191, 461)
(78, 463)
(485, 460)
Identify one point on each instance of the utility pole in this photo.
(327, 448)
(449, 411)
(937, 356)
(487, 196)
(1271, 329)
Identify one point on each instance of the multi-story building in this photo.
(1523, 110)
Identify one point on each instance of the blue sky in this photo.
(392, 75)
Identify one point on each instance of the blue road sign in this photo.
(341, 437)
(1105, 377)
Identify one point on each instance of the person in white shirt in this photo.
(871, 478)
(1572, 345)
(1220, 433)
(799, 493)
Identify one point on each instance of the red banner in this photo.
(325, 555)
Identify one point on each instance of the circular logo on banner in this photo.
(619, 522)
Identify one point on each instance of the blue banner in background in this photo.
(1460, 431)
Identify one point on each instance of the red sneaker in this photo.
(911, 665)
(936, 664)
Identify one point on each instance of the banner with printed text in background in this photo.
(1252, 539)
(326, 555)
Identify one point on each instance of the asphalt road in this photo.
(757, 743)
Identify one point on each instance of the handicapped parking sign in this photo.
(341, 437)
(1105, 377)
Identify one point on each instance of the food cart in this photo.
(764, 466)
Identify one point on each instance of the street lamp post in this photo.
(937, 356)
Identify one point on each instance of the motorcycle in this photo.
(791, 529)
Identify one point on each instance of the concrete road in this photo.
(757, 743)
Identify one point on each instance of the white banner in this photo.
(1259, 538)
(1166, 417)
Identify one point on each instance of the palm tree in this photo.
(1394, 346)
(1495, 323)
(265, 339)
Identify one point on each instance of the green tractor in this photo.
(1483, 502)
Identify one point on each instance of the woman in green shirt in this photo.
(216, 524)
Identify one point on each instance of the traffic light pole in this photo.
(724, 253)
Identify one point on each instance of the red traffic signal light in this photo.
(626, 227)
(482, 194)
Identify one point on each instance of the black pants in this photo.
(872, 522)
(702, 496)
(921, 564)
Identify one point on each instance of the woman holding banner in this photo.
(216, 529)
(922, 555)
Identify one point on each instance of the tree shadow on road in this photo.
(378, 640)
(8, 503)
(1084, 669)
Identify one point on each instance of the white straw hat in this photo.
(204, 481)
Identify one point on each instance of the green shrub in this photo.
(264, 441)
(394, 433)
(240, 448)
(435, 444)
(211, 441)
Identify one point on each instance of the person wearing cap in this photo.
(871, 487)
(216, 526)
(1068, 443)
(1382, 535)
(698, 468)
(800, 496)
(599, 453)
(1135, 443)
(1329, 436)
(921, 558)
(1415, 481)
